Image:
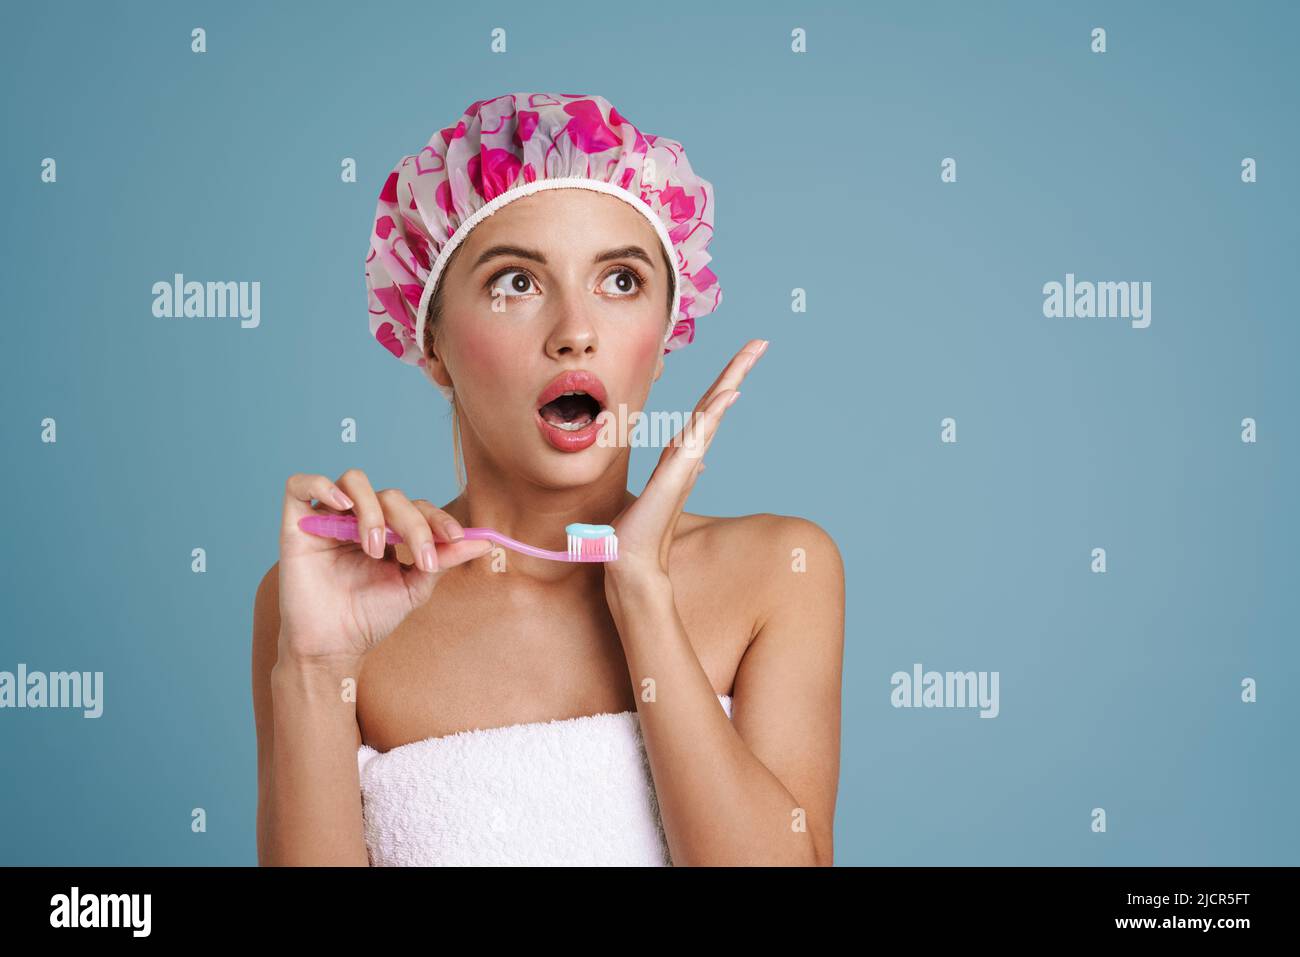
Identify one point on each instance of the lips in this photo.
(567, 410)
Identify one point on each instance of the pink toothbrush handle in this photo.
(344, 528)
(341, 527)
(492, 535)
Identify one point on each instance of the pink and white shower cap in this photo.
(512, 146)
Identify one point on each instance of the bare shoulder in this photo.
(773, 559)
(756, 539)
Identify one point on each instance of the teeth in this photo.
(573, 393)
(571, 426)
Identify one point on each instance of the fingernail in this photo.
(376, 549)
(732, 401)
(428, 557)
(453, 531)
(341, 500)
(763, 347)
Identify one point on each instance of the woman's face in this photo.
(562, 281)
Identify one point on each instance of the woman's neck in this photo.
(538, 515)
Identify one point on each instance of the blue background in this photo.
(1119, 690)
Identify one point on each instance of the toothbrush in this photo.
(587, 543)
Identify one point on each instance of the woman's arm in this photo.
(759, 789)
(309, 790)
(318, 611)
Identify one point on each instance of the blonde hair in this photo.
(457, 456)
(432, 326)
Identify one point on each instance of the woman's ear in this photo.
(436, 369)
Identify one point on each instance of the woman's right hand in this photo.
(339, 599)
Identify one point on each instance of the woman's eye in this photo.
(623, 282)
(512, 282)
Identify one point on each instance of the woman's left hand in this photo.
(645, 528)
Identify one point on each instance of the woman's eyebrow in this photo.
(494, 252)
(521, 252)
(626, 252)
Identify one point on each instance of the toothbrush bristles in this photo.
(604, 549)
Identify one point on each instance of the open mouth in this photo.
(571, 411)
(568, 408)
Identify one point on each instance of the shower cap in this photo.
(512, 146)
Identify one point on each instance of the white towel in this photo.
(570, 792)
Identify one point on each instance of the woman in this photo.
(445, 702)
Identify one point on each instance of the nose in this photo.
(572, 329)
